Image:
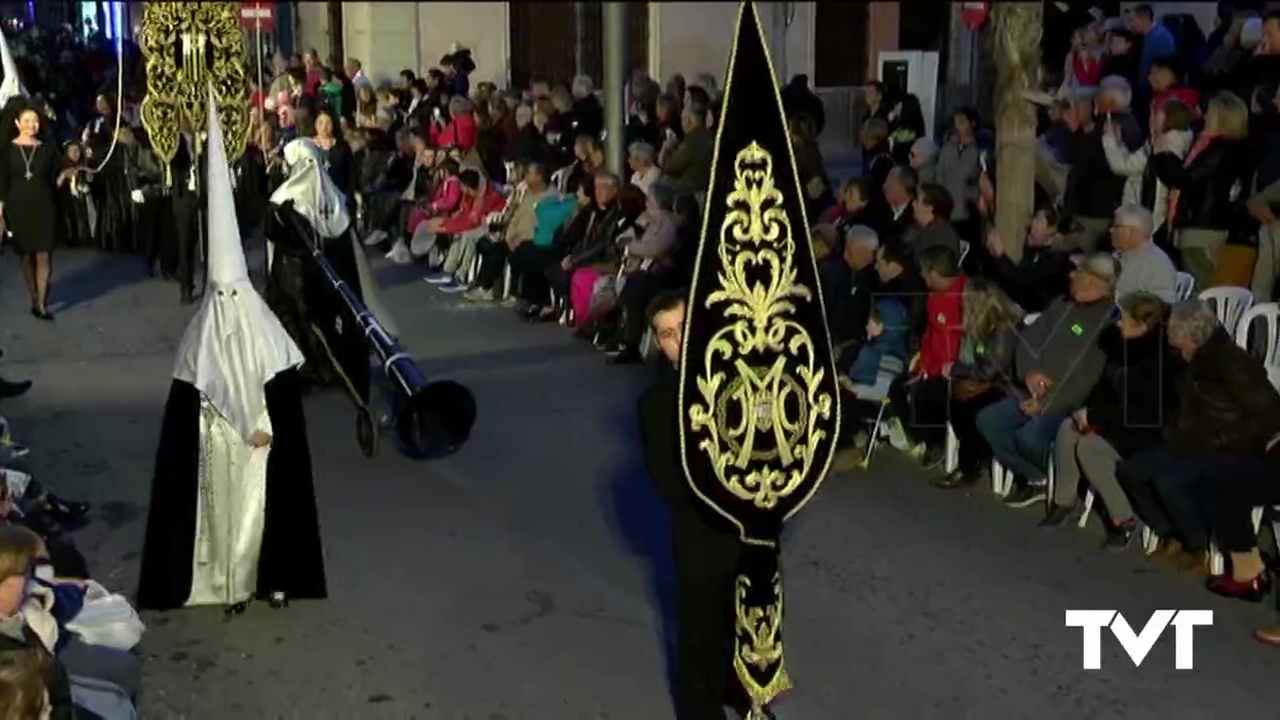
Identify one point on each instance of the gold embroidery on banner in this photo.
(188, 46)
(759, 423)
(758, 643)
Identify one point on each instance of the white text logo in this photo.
(1139, 644)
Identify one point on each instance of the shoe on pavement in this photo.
(439, 278)
(1119, 535)
(479, 295)
(1024, 494)
(956, 480)
(1056, 516)
(375, 237)
(453, 288)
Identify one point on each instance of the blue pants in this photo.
(1168, 493)
(1020, 443)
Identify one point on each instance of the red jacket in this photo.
(460, 133)
(473, 211)
(447, 197)
(1184, 95)
(944, 331)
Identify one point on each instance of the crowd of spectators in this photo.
(1118, 361)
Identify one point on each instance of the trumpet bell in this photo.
(436, 421)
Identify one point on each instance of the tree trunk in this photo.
(1015, 46)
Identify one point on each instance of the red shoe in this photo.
(1254, 590)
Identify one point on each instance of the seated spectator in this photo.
(531, 263)
(589, 158)
(1165, 76)
(460, 130)
(393, 189)
(24, 693)
(586, 115)
(539, 213)
(1043, 274)
(1123, 415)
(1057, 363)
(877, 160)
(1202, 186)
(687, 162)
(670, 125)
(1172, 121)
(528, 145)
(597, 256)
(896, 268)
(1143, 265)
(980, 376)
(642, 159)
(932, 229)
(366, 113)
(921, 402)
(958, 165)
(479, 200)
(19, 550)
(849, 281)
(924, 159)
(900, 188)
(855, 207)
(1226, 407)
(648, 272)
(878, 365)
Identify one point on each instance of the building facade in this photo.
(555, 40)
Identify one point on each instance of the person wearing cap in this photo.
(1056, 365)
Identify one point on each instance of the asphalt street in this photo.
(525, 578)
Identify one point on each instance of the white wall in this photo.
(312, 28)
(481, 26)
(382, 35)
(695, 37)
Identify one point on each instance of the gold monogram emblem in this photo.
(759, 421)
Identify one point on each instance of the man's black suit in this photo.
(706, 558)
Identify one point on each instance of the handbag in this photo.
(107, 619)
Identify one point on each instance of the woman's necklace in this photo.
(27, 159)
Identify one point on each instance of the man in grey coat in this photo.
(1057, 364)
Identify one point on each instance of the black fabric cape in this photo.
(291, 561)
(301, 296)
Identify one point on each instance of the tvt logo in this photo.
(1138, 645)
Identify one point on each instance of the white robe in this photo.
(230, 511)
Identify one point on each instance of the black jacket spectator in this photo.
(1226, 402)
(798, 99)
(1136, 397)
(1209, 187)
(1093, 191)
(1043, 274)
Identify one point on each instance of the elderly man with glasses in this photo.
(1144, 267)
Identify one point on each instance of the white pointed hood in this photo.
(313, 193)
(235, 344)
(11, 85)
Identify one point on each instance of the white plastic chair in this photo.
(1229, 303)
(1185, 286)
(964, 250)
(1269, 338)
(560, 179)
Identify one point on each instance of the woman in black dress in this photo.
(30, 175)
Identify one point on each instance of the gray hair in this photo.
(642, 151)
(1118, 85)
(585, 82)
(613, 180)
(664, 195)
(1194, 320)
(861, 235)
(926, 147)
(1134, 211)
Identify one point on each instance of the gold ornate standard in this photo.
(759, 424)
(188, 46)
(759, 401)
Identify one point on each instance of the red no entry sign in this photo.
(258, 16)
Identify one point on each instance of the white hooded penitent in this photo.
(11, 85)
(234, 345)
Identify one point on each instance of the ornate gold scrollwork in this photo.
(188, 46)
(758, 646)
(760, 423)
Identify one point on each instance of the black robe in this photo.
(303, 298)
(291, 560)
